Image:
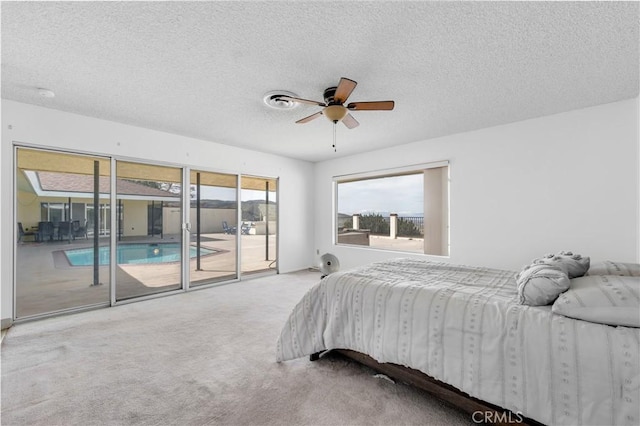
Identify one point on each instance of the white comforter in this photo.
(463, 326)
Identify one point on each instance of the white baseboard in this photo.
(5, 323)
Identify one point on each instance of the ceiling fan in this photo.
(333, 105)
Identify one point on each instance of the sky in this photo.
(396, 194)
(229, 194)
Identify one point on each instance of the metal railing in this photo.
(417, 230)
(376, 224)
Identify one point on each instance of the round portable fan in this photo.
(328, 264)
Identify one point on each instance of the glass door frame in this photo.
(113, 236)
(277, 233)
(103, 229)
(14, 187)
(189, 227)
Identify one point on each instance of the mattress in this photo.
(462, 325)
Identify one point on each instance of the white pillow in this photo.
(608, 267)
(605, 299)
(540, 284)
(574, 265)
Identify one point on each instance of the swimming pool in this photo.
(142, 253)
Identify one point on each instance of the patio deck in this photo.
(403, 244)
(47, 282)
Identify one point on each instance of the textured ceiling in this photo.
(201, 69)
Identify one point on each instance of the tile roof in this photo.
(68, 182)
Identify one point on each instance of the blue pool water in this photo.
(133, 254)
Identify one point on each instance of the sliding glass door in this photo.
(70, 212)
(259, 224)
(62, 261)
(214, 225)
(149, 240)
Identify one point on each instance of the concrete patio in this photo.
(46, 282)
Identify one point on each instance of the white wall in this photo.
(567, 181)
(135, 222)
(46, 127)
(564, 182)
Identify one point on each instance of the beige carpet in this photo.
(201, 358)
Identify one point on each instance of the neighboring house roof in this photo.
(83, 184)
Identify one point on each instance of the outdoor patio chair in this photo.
(45, 231)
(228, 229)
(245, 228)
(64, 231)
(79, 231)
(22, 233)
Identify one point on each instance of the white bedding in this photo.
(463, 326)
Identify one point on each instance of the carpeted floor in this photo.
(201, 358)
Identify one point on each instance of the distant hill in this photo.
(215, 204)
(252, 210)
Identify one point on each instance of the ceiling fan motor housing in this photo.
(329, 93)
(334, 110)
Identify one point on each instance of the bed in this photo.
(466, 328)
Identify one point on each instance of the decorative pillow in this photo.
(608, 267)
(605, 299)
(573, 265)
(540, 284)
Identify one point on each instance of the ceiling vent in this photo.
(46, 93)
(274, 99)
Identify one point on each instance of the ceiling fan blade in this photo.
(371, 106)
(302, 101)
(350, 122)
(344, 89)
(309, 118)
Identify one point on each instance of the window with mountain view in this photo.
(405, 210)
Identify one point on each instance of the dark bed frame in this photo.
(447, 393)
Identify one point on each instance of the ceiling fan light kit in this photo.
(334, 113)
(333, 106)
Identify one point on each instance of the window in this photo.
(53, 212)
(402, 210)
